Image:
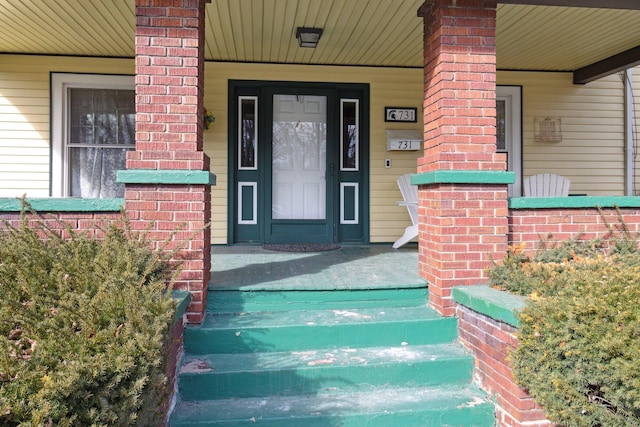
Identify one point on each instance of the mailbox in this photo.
(404, 140)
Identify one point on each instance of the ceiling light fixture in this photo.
(308, 37)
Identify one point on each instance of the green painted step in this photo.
(377, 407)
(314, 329)
(375, 358)
(251, 301)
(221, 376)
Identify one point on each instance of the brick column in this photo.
(462, 180)
(167, 177)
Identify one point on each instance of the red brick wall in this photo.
(460, 83)
(174, 350)
(178, 214)
(169, 126)
(491, 341)
(529, 226)
(59, 221)
(462, 227)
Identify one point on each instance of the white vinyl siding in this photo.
(25, 152)
(591, 153)
(388, 87)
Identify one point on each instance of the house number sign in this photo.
(403, 139)
(400, 114)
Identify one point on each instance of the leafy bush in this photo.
(83, 323)
(579, 340)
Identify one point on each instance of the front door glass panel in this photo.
(299, 157)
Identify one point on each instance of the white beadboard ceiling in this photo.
(356, 32)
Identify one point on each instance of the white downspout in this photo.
(628, 133)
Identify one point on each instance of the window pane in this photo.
(349, 140)
(126, 116)
(248, 136)
(501, 133)
(93, 172)
(101, 116)
(299, 157)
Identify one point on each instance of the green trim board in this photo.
(574, 202)
(498, 305)
(153, 176)
(463, 177)
(70, 204)
(182, 299)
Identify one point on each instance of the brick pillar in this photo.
(167, 177)
(462, 180)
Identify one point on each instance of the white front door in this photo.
(299, 157)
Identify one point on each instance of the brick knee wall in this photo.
(529, 226)
(174, 350)
(491, 341)
(61, 222)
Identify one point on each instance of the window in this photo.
(247, 132)
(509, 132)
(93, 127)
(349, 134)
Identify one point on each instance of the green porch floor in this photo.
(352, 267)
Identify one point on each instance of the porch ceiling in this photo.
(356, 32)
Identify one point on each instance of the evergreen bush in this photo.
(579, 340)
(83, 325)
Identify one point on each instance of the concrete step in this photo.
(326, 359)
(222, 376)
(374, 407)
(316, 329)
(233, 301)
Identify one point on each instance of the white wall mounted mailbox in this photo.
(404, 139)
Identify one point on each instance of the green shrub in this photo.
(522, 274)
(579, 339)
(83, 323)
(579, 350)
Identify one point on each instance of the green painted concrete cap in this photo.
(182, 299)
(69, 204)
(152, 176)
(574, 202)
(464, 177)
(498, 305)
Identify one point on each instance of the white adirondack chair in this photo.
(410, 196)
(546, 185)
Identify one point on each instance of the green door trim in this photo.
(264, 90)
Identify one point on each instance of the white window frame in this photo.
(254, 218)
(60, 85)
(512, 95)
(356, 213)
